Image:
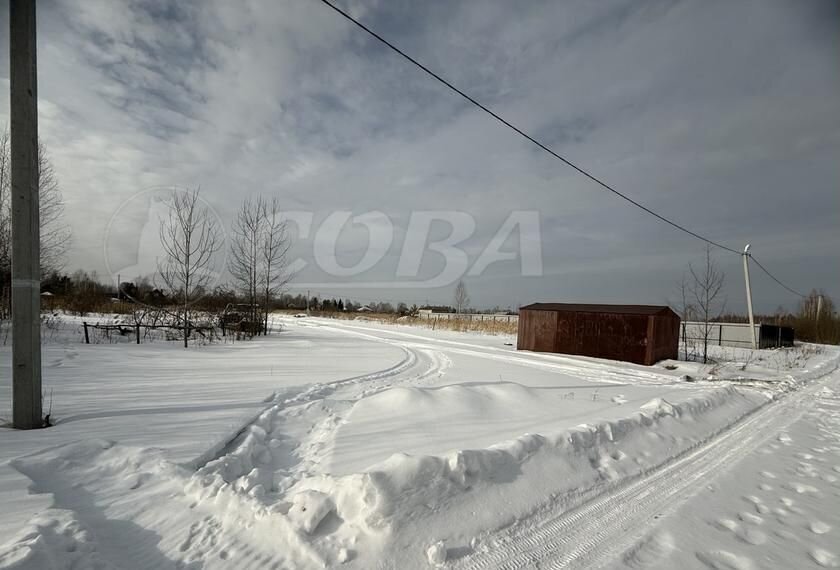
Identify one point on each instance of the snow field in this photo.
(399, 446)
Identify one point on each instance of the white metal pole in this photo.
(749, 293)
(26, 274)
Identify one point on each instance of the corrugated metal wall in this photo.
(643, 339)
(603, 335)
(666, 338)
(537, 331)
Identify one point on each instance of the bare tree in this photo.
(258, 261)
(705, 291)
(246, 250)
(687, 312)
(461, 299)
(55, 235)
(275, 247)
(190, 238)
(815, 305)
(5, 223)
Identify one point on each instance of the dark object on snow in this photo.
(243, 318)
(643, 334)
(773, 336)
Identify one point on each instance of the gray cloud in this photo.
(722, 115)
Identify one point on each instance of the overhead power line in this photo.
(771, 276)
(523, 133)
(533, 140)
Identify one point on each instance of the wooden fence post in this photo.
(137, 331)
(87, 338)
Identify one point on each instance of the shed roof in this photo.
(599, 308)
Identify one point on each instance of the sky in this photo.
(721, 115)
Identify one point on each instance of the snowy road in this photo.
(461, 393)
(609, 524)
(776, 506)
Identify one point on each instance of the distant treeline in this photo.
(84, 292)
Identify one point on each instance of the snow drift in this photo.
(470, 492)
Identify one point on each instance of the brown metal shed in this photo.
(644, 334)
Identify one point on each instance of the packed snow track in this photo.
(604, 527)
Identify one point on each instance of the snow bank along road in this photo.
(780, 508)
(616, 520)
(369, 446)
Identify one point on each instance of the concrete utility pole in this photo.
(817, 320)
(749, 293)
(26, 255)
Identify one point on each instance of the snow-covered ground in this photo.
(779, 507)
(371, 445)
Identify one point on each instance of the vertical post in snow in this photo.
(26, 255)
(749, 293)
(817, 320)
(307, 302)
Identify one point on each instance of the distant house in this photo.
(643, 334)
(364, 309)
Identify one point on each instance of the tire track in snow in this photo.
(320, 439)
(595, 532)
(596, 372)
(299, 396)
(429, 363)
